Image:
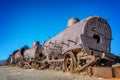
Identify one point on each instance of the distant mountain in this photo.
(2, 62)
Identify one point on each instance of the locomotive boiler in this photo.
(34, 55)
(83, 43)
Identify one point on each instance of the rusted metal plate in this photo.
(117, 72)
(104, 72)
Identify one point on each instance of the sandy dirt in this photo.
(15, 73)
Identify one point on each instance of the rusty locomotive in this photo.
(82, 44)
(25, 57)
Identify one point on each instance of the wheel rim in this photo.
(69, 61)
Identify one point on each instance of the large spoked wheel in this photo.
(69, 62)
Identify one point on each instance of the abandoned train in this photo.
(82, 44)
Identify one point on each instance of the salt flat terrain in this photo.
(15, 73)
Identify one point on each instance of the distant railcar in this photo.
(34, 55)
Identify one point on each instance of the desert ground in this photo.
(15, 73)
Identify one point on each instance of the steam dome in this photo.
(72, 21)
(36, 43)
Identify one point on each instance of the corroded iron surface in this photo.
(104, 72)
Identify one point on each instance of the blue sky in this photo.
(24, 21)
